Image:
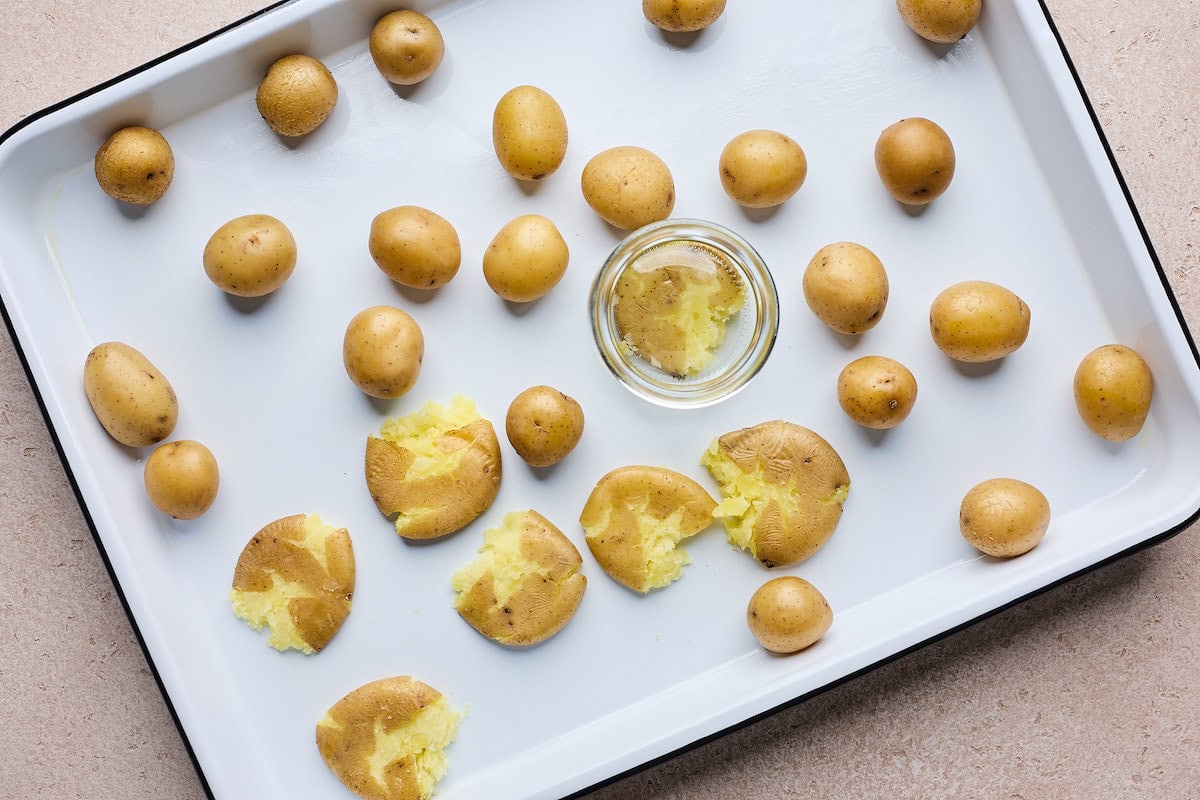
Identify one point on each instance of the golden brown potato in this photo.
(382, 351)
(1113, 390)
(250, 256)
(297, 95)
(788, 614)
(182, 478)
(415, 247)
(915, 160)
(635, 519)
(406, 46)
(783, 487)
(436, 469)
(682, 16)
(628, 187)
(876, 392)
(130, 397)
(526, 259)
(761, 169)
(296, 576)
(942, 21)
(1004, 517)
(529, 133)
(525, 585)
(846, 286)
(977, 321)
(386, 740)
(543, 425)
(135, 165)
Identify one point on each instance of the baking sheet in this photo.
(1034, 206)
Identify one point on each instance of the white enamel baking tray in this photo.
(1036, 205)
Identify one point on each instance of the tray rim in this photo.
(1145, 544)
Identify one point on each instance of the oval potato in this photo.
(250, 256)
(628, 187)
(135, 165)
(132, 399)
(415, 247)
(406, 46)
(761, 169)
(1113, 390)
(944, 21)
(529, 133)
(846, 286)
(182, 478)
(788, 614)
(978, 321)
(1004, 517)
(297, 95)
(526, 259)
(915, 160)
(543, 425)
(382, 351)
(682, 16)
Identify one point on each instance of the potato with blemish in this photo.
(382, 351)
(182, 478)
(525, 584)
(415, 247)
(876, 392)
(788, 614)
(1004, 517)
(133, 400)
(296, 577)
(543, 425)
(628, 187)
(135, 165)
(1113, 390)
(682, 16)
(915, 160)
(762, 169)
(943, 21)
(296, 96)
(978, 321)
(406, 46)
(846, 286)
(529, 133)
(526, 259)
(250, 256)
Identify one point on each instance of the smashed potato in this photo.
(296, 576)
(436, 469)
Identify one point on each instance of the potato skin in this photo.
(135, 165)
(788, 614)
(944, 21)
(977, 321)
(526, 259)
(382, 351)
(543, 425)
(250, 256)
(406, 46)
(762, 168)
(846, 286)
(1004, 517)
(628, 187)
(297, 95)
(876, 392)
(529, 133)
(682, 16)
(182, 478)
(1113, 390)
(132, 399)
(915, 160)
(415, 247)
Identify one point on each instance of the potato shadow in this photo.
(248, 305)
(978, 370)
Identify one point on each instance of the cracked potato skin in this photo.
(406, 46)
(628, 187)
(1004, 517)
(135, 165)
(296, 96)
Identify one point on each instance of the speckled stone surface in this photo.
(1088, 691)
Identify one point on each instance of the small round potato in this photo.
(1113, 389)
(415, 247)
(131, 398)
(135, 165)
(682, 16)
(628, 187)
(543, 425)
(526, 259)
(250, 256)
(761, 169)
(846, 286)
(297, 95)
(788, 614)
(529, 133)
(915, 160)
(382, 350)
(182, 479)
(406, 47)
(977, 321)
(876, 392)
(944, 21)
(1004, 517)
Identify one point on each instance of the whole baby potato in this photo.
(1004, 517)
(250, 256)
(529, 133)
(846, 286)
(382, 351)
(406, 46)
(977, 321)
(761, 169)
(526, 259)
(135, 165)
(876, 392)
(942, 21)
(182, 478)
(1113, 389)
(297, 95)
(915, 160)
(628, 187)
(415, 247)
(543, 425)
(682, 16)
(788, 614)
(131, 398)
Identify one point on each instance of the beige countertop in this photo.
(1088, 690)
